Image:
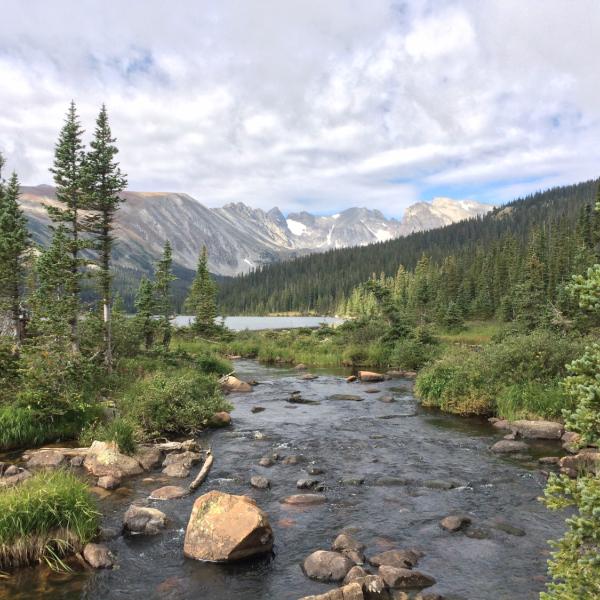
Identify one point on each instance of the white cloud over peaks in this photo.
(311, 105)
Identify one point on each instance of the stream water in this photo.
(417, 467)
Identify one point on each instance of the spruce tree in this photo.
(14, 241)
(102, 184)
(201, 300)
(162, 289)
(69, 157)
(145, 307)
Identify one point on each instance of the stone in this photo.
(439, 484)
(257, 409)
(454, 523)
(374, 588)
(351, 379)
(387, 399)
(501, 424)
(509, 447)
(587, 460)
(169, 492)
(259, 482)
(220, 419)
(352, 480)
(293, 459)
(434, 596)
(176, 470)
(233, 384)
(109, 482)
(187, 459)
(266, 461)
(76, 461)
(537, 430)
(370, 376)
(309, 377)
(224, 528)
(405, 559)
(105, 534)
(354, 574)
(104, 458)
(313, 470)
(508, 528)
(549, 460)
(98, 556)
(346, 397)
(324, 565)
(310, 484)
(372, 391)
(304, 499)
(347, 542)
(571, 441)
(352, 591)
(300, 367)
(49, 459)
(144, 520)
(11, 470)
(149, 457)
(404, 578)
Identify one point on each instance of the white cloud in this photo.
(311, 105)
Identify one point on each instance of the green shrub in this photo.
(44, 518)
(532, 400)
(412, 354)
(178, 402)
(211, 363)
(118, 430)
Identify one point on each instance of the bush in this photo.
(44, 518)
(412, 354)
(178, 402)
(211, 363)
(118, 430)
(532, 400)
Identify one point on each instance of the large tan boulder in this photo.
(46, 459)
(370, 376)
(104, 458)
(537, 430)
(233, 384)
(224, 527)
(324, 565)
(587, 461)
(144, 520)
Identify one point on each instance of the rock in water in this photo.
(405, 559)
(169, 492)
(454, 523)
(104, 458)
(539, 430)
(224, 527)
(370, 376)
(141, 519)
(46, 459)
(98, 556)
(509, 447)
(259, 482)
(233, 384)
(404, 578)
(324, 565)
(220, 419)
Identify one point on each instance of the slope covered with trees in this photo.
(484, 254)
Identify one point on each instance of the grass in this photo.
(475, 333)
(45, 518)
(118, 430)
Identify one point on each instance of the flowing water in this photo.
(416, 467)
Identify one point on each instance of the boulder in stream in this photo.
(324, 565)
(405, 559)
(399, 578)
(220, 419)
(370, 376)
(48, 459)
(224, 528)
(259, 482)
(233, 384)
(144, 520)
(305, 499)
(454, 523)
(537, 430)
(98, 556)
(104, 458)
(169, 492)
(509, 447)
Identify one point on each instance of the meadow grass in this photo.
(45, 518)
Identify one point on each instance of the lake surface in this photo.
(416, 467)
(259, 323)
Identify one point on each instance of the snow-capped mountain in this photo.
(240, 238)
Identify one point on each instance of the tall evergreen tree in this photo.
(14, 241)
(69, 157)
(162, 289)
(102, 184)
(201, 301)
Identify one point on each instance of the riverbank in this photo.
(352, 447)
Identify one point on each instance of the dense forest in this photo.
(478, 263)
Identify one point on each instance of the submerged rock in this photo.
(109, 482)
(454, 523)
(220, 419)
(305, 499)
(310, 484)
(324, 565)
(266, 461)
(98, 556)
(224, 528)
(309, 377)
(404, 578)
(509, 447)
(259, 482)
(406, 559)
(345, 397)
(370, 376)
(176, 470)
(351, 379)
(257, 409)
(168, 492)
(144, 520)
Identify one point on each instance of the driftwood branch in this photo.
(226, 377)
(203, 472)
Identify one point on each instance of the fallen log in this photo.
(203, 472)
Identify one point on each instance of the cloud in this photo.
(311, 105)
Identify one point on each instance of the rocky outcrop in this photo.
(233, 384)
(224, 527)
(144, 520)
(537, 430)
(324, 565)
(370, 376)
(399, 578)
(104, 458)
(98, 556)
(149, 457)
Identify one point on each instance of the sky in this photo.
(314, 105)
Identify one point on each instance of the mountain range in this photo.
(240, 238)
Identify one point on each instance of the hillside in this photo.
(319, 282)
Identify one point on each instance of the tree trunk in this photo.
(108, 359)
(74, 320)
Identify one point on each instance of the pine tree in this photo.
(162, 288)
(145, 307)
(201, 301)
(14, 241)
(69, 157)
(53, 301)
(102, 183)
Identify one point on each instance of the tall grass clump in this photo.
(118, 430)
(45, 518)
